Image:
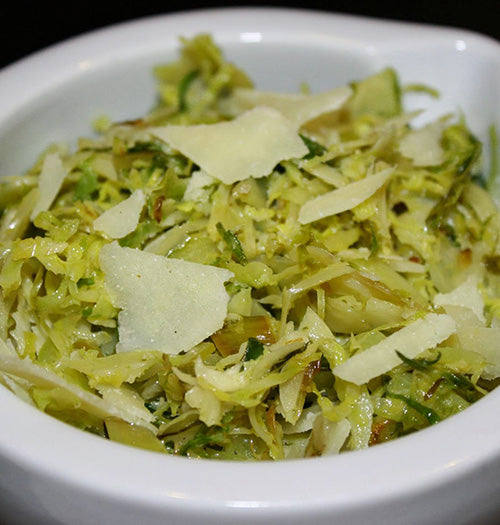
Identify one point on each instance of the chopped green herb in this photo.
(374, 245)
(145, 147)
(169, 445)
(152, 406)
(315, 148)
(458, 380)
(87, 311)
(203, 439)
(419, 364)
(254, 349)
(233, 243)
(431, 416)
(85, 281)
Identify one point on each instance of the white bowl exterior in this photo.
(53, 472)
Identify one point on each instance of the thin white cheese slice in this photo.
(168, 305)
(122, 219)
(423, 334)
(298, 109)
(423, 145)
(249, 146)
(484, 341)
(342, 199)
(466, 295)
(51, 178)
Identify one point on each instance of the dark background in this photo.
(29, 26)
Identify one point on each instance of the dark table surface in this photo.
(30, 26)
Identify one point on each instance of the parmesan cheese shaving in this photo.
(484, 341)
(466, 295)
(168, 305)
(423, 145)
(423, 334)
(248, 146)
(342, 199)
(50, 182)
(298, 109)
(122, 219)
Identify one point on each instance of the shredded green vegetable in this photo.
(353, 292)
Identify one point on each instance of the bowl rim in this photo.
(414, 464)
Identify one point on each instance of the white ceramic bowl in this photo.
(51, 473)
